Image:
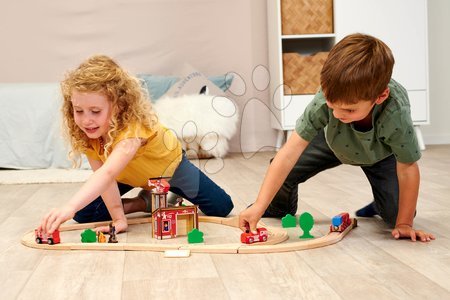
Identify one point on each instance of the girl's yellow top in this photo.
(159, 156)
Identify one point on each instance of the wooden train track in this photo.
(274, 243)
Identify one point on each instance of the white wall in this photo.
(40, 43)
(438, 132)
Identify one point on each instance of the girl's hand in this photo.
(406, 231)
(55, 218)
(119, 225)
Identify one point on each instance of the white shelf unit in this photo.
(401, 24)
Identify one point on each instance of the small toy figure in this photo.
(49, 239)
(177, 201)
(112, 234)
(340, 222)
(165, 226)
(248, 237)
(101, 238)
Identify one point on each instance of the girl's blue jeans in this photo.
(318, 157)
(188, 182)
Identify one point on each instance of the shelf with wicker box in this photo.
(306, 17)
(301, 73)
(301, 32)
(301, 19)
(300, 29)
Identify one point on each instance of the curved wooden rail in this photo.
(273, 244)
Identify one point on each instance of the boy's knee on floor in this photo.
(389, 219)
(390, 223)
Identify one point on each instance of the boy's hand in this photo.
(248, 219)
(55, 218)
(406, 231)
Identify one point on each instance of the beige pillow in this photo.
(192, 82)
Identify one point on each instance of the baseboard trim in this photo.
(436, 139)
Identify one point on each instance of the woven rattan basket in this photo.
(302, 73)
(306, 16)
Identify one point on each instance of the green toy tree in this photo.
(306, 222)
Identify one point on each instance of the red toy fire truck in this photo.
(42, 238)
(260, 236)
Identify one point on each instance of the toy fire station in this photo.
(170, 221)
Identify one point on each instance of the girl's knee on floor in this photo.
(86, 217)
(226, 207)
(219, 208)
(82, 218)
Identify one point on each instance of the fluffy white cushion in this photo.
(203, 123)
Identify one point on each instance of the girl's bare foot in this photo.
(120, 226)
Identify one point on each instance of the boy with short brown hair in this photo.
(359, 117)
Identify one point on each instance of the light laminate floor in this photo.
(367, 264)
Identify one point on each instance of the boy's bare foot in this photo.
(120, 226)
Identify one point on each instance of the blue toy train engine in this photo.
(340, 222)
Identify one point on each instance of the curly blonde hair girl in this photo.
(130, 101)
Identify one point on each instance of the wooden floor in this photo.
(367, 264)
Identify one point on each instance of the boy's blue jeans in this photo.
(188, 182)
(318, 157)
